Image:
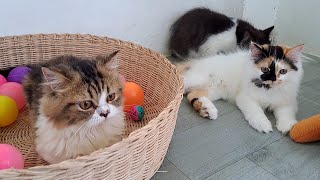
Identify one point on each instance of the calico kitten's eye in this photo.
(283, 71)
(265, 70)
(111, 97)
(85, 105)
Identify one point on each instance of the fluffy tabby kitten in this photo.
(76, 104)
(264, 77)
(202, 32)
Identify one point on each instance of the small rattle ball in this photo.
(133, 95)
(15, 91)
(8, 111)
(10, 157)
(18, 74)
(137, 113)
(2, 80)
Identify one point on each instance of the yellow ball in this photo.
(8, 111)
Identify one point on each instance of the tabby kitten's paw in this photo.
(206, 108)
(285, 126)
(262, 125)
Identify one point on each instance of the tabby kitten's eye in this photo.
(85, 105)
(283, 71)
(111, 97)
(265, 70)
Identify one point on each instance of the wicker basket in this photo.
(141, 152)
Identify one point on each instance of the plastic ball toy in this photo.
(15, 91)
(18, 74)
(8, 111)
(137, 113)
(2, 80)
(133, 95)
(10, 157)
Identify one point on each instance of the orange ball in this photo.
(133, 95)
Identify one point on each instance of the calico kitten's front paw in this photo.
(206, 108)
(285, 125)
(262, 125)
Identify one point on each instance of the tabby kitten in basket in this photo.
(264, 77)
(202, 32)
(76, 104)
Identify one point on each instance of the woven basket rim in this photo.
(133, 135)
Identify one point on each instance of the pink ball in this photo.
(15, 91)
(17, 74)
(10, 157)
(2, 80)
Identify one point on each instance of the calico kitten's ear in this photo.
(294, 53)
(268, 30)
(110, 61)
(53, 78)
(256, 51)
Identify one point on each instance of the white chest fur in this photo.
(56, 145)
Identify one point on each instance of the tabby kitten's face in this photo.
(274, 65)
(82, 91)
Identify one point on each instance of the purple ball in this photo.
(18, 74)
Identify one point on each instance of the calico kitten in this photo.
(76, 104)
(264, 77)
(202, 32)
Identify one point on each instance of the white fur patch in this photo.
(208, 109)
(223, 42)
(56, 145)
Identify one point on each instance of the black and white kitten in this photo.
(203, 32)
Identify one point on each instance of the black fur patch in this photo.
(193, 100)
(257, 82)
(271, 75)
(255, 35)
(192, 29)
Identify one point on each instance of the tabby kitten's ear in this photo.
(294, 53)
(54, 79)
(268, 30)
(256, 51)
(110, 61)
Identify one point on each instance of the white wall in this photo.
(145, 22)
(299, 22)
(261, 13)
(295, 21)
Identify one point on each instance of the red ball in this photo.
(133, 95)
(15, 91)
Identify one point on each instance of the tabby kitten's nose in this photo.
(104, 113)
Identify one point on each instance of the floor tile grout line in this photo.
(205, 122)
(264, 169)
(260, 149)
(226, 166)
(178, 168)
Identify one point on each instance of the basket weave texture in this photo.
(141, 152)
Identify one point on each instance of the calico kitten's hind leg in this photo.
(200, 102)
